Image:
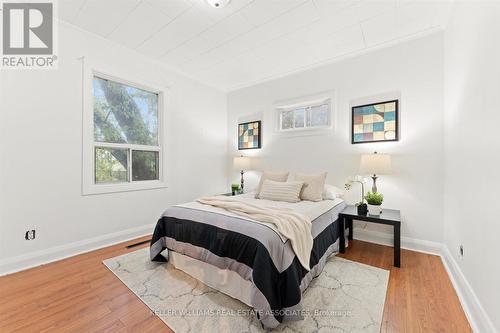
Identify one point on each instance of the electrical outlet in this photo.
(461, 251)
(30, 234)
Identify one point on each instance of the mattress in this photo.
(231, 253)
(313, 210)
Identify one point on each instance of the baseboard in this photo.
(37, 258)
(408, 243)
(477, 316)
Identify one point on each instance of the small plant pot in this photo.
(374, 209)
(362, 209)
(235, 189)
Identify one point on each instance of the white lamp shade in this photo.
(241, 163)
(375, 164)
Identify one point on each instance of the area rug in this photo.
(346, 297)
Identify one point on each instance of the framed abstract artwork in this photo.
(375, 122)
(249, 135)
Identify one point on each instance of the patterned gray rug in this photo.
(346, 297)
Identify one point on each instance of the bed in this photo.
(246, 259)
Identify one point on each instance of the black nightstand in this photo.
(388, 217)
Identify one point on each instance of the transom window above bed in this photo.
(126, 136)
(309, 114)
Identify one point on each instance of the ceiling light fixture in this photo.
(218, 3)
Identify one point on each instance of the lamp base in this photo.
(242, 181)
(374, 186)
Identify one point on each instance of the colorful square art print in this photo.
(249, 135)
(375, 122)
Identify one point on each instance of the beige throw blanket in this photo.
(289, 224)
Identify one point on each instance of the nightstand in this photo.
(230, 194)
(388, 217)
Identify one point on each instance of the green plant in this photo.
(374, 198)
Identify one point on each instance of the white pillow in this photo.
(275, 176)
(331, 192)
(281, 191)
(313, 186)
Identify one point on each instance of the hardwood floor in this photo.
(420, 296)
(80, 294)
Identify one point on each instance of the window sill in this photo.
(92, 189)
(327, 130)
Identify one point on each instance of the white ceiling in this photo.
(253, 40)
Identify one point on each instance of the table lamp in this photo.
(241, 163)
(375, 164)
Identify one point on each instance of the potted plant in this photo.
(235, 189)
(374, 200)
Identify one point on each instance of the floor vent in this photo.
(137, 244)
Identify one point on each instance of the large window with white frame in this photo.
(307, 115)
(126, 135)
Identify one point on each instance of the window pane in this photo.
(299, 117)
(124, 114)
(308, 116)
(319, 115)
(286, 119)
(111, 165)
(144, 165)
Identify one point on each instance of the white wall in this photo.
(41, 138)
(414, 71)
(472, 153)
(41, 148)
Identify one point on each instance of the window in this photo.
(310, 115)
(125, 139)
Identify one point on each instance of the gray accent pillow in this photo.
(281, 191)
(274, 176)
(313, 186)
